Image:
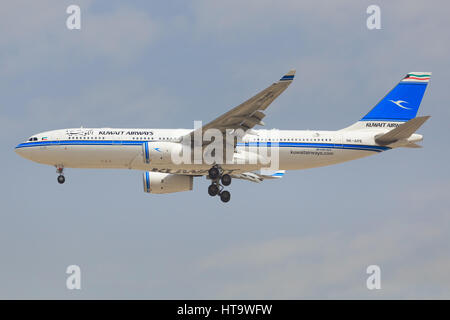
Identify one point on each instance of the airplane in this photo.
(390, 124)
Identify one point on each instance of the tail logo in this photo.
(399, 104)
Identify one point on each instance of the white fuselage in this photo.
(122, 148)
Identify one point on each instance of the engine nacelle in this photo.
(158, 182)
(159, 152)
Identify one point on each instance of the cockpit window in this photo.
(33, 139)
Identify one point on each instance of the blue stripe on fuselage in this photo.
(246, 144)
(80, 142)
(315, 145)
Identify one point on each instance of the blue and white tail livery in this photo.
(391, 124)
(401, 103)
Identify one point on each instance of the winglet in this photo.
(288, 76)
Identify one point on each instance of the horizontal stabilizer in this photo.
(403, 131)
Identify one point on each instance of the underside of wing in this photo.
(259, 177)
(254, 176)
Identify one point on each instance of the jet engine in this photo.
(158, 182)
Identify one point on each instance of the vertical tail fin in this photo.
(401, 103)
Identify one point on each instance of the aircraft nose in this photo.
(20, 150)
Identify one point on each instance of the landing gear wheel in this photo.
(213, 190)
(214, 173)
(225, 196)
(61, 179)
(226, 179)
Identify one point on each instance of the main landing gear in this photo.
(61, 179)
(219, 180)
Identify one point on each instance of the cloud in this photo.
(117, 102)
(406, 246)
(236, 19)
(37, 37)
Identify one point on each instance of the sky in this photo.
(164, 64)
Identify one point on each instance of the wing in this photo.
(250, 113)
(255, 176)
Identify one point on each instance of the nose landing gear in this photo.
(61, 179)
(218, 181)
